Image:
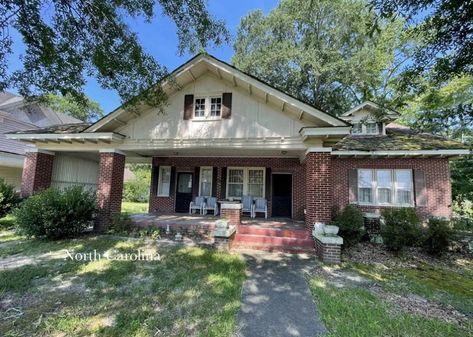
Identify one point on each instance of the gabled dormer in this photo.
(369, 119)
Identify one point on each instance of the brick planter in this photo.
(328, 248)
(232, 212)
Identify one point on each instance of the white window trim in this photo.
(364, 130)
(211, 180)
(374, 188)
(160, 177)
(245, 180)
(208, 105)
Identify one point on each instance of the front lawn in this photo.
(377, 294)
(134, 207)
(188, 292)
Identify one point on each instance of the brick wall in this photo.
(318, 197)
(328, 253)
(109, 187)
(37, 172)
(437, 179)
(188, 164)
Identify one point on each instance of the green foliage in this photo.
(137, 189)
(56, 214)
(445, 26)
(323, 52)
(351, 223)
(437, 236)
(67, 41)
(8, 198)
(463, 214)
(400, 228)
(90, 111)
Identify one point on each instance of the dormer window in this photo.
(368, 128)
(208, 107)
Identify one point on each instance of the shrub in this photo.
(137, 189)
(437, 236)
(56, 214)
(400, 228)
(463, 214)
(351, 223)
(9, 199)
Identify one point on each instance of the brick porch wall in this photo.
(109, 187)
(37, 172)
(437, 178)
(188, 164)
(318, 189)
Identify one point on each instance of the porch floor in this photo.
(208, 221)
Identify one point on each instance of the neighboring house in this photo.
(17, 115)
(226, 134)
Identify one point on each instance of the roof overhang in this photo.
(390, 114)
(310, 132)
(401, 154)
(194, 68)
(91, 137)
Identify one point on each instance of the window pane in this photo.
(365, 195)
(164, 182)
(235, 190)
(199, 107)
(255, 190)
(371, 128)
(215, 106)
(235, 176)
(356, 129)
(365, 177)
(384, 195)
(206, 182)
(255, 176)
(404, 186)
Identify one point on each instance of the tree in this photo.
(446, 27)
(66, 41)
(90, 111)
(323, 52)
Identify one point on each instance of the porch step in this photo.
(277, 232)
(273, 243)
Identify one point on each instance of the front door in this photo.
(183, 192)
(282, 195)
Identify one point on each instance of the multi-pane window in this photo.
(365, 128)
(235, 183)
(207, 107)
(357, 129)
(164, 181)
(245, 181)
(371, 128)
(205, 181)
(215, 106)
(199, 107)
(385, 187)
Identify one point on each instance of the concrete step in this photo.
(275, 232)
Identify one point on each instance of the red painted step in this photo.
(286, 233)
(272, 248)
(273, 240)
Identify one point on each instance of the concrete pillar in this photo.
(37, 172)
(318, 188)
(109, 187)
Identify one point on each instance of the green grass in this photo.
(354, 312)
(134, 207)
(441, 284)
(7, 222)
(190, 291)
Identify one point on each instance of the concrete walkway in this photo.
(276, 300)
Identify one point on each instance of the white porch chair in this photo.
(211, 205)
(261, 206)
(248, 206)
(198, 204)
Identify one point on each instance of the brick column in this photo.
(37, 172)
(109, 188)
(318, 192)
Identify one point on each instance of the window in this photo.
(365, 128)
(205, 181)
(371, 128)
(199, 107)
(245, 181)
(207, 108)
(357, 129)
(164, 181)
(215, 106)
(385, 187)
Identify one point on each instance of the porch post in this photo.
(37, 171)
(318, 198)
(109, 187)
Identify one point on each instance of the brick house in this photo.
(224, 133)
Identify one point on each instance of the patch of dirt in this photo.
(339, 278)
(418, 305)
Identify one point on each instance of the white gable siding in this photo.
(251, 117)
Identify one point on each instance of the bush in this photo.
(400, 228)
(463, 214)
(56, 214)
(351, 223)
(437, 236)
(137, 189)
(9, 199)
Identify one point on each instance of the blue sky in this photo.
(160, 40)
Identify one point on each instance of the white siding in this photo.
(69, 170)
(12, 175)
